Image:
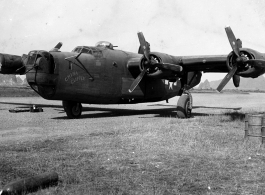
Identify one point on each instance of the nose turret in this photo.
(40, 73)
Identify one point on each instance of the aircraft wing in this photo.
(177, 64)
(208, 63)
(164, 66)
(243, 62)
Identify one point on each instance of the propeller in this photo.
(137, 81)
(256, 67)
(236, 44)
(150, 61)
(227, 79)
(145, 46)
(57, 47)
(236, 80)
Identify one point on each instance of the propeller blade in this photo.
(137, 81)
(59, 45)
(140, 50)
(227, 79)
(239, 43)
(236, 80)
(145, 45)
(232, 40)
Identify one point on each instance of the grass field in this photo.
(123, 150)
(17, 91)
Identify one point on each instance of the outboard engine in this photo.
(244, 68)
(241, 62)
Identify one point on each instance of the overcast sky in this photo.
(177, 27)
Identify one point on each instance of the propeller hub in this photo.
(240, 61)
(149, 65)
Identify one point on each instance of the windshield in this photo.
(32, 57)
(97, 53)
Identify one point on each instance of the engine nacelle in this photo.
(156, 72)
(11, 64)
(246, 69)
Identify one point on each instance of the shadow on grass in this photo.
(196, 107)
(25, 105)
(99, 112)
(234, 116)
(222, 108)
(115, 112)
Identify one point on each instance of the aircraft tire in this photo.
(183, 110)
(72, 109)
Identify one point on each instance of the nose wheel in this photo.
(72, 109)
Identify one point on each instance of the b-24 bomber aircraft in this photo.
(104, 75)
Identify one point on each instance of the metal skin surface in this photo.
(104, 75)
(104, 80)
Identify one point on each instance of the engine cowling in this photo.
(154, 71)
(151, 69)
(246, 68)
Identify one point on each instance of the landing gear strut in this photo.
(72, 109)
(184, 105)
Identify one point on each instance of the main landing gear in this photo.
(72, 109)
(184, 105)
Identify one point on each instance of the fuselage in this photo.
(94, 75)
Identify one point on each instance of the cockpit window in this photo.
(97, 53)
(85, 50)
(77, 49)
(32, 57)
